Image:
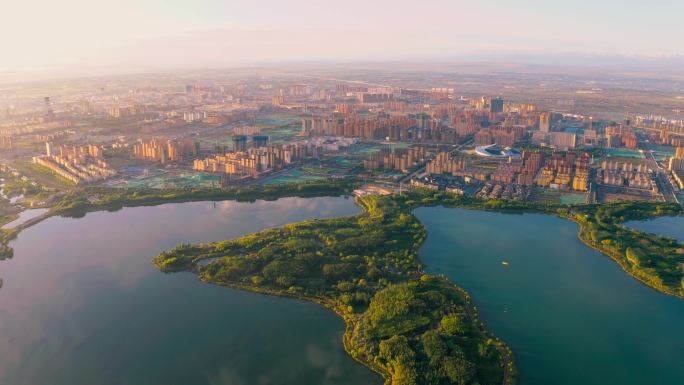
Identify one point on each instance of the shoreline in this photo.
(10, 234)
(350, 322)
(582, 236)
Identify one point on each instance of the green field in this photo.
(168, 181)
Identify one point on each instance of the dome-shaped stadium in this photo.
(496, 151)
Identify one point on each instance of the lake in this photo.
(672, 227)
(570, 314)
(82, 304)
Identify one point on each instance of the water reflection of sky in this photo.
(559, 304)
(672, 227)
(25, 216)
(73, 280)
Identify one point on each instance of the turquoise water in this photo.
(82, 304)
(672, 227)
(573, 198)
(570, 314)
(623, 152)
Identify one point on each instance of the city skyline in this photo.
(77, 35)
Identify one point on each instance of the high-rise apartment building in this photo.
(545, 122)
(563, 140)
(496, 105)
(239, 143)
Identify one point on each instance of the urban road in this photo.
(664, 184)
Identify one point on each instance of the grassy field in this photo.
(43, 175)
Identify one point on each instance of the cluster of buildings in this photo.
(398, 159)
(194, 116)
(665, 138)
(449, 183)
(337, 117)
(615, 173)
(450, 121)
(163, 150)
(446, 120)
(502, 135)
(251, 162)
(122, 111)
(565, 171)
(660, 123)
(498, 191)
(558, 139)
(397, 127)
(444, 163)
(565, 132)
(34, 125)
(519, 172)
(676, 168)
(79, 164)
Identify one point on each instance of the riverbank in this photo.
(653, 260)
(79, 202)
(621, 260)
(559, 304)
(349, 320)
(153, 319)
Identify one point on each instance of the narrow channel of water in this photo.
(82, 304)
(672, 227)
(571, 315)
(25, 216)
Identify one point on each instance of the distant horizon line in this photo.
(672, 63)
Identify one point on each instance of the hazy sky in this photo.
(48, 34)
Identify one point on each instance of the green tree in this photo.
(433, 346)
(460, 371)
(452, 325)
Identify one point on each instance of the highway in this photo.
(662, 181)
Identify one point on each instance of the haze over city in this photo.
(132, 36)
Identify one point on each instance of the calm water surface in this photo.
(672, 227)
(82, 304)
(571, 315)
(25, 216)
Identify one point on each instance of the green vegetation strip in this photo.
(47, 173)
(654, 260)
(79, 202)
